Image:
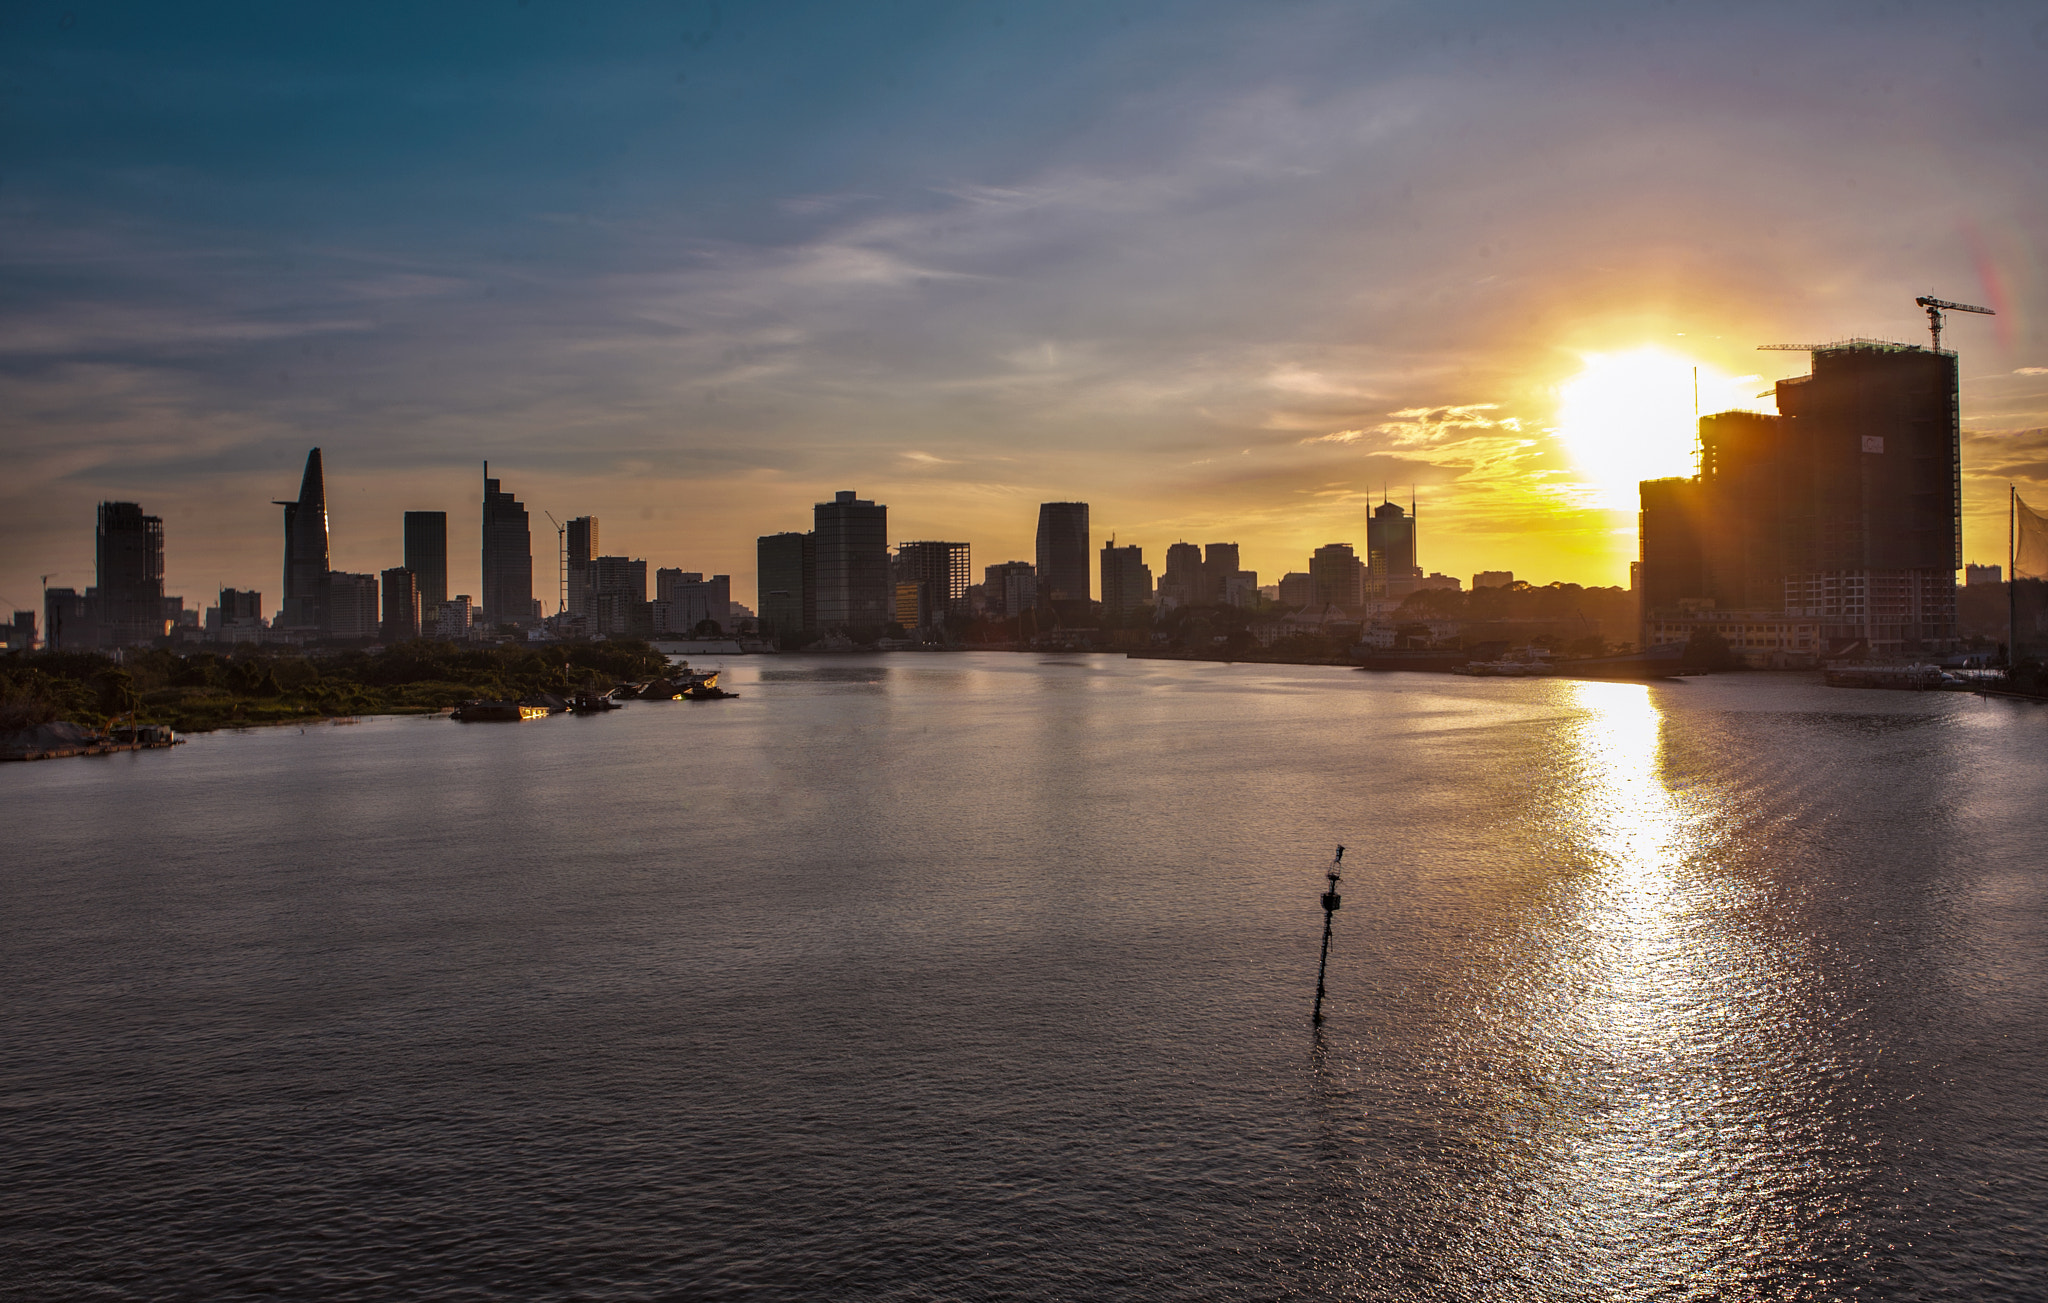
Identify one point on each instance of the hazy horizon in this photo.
(1224, 273)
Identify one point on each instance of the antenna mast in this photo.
(561, 563)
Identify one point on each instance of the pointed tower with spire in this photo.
(305, 551)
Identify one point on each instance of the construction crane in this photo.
(561, 563)
(1935, 307)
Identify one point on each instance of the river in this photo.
(988, 976)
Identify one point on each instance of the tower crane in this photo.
(1935, 307)
(561, 563)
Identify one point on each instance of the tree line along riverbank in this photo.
(203, 690)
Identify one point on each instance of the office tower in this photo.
(305, 552)
(401, 606)
(1063, 552)
(1185, 582)
(787, 586)
(129, 600)
(911, 610)
(1493, 579)
(1390, 552)
(1297, 588)
(691, 599)
(618, 591)
(507, 558)
(582, 550)
(451, 622)
(1126, 580)
(944, 570)
(1843, 511)
(1010, 589)
(352, 608)
(426, 555)
(855, 595)
(1337, 576)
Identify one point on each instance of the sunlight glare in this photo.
(1628, 417)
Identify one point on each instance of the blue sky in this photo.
(1222, 270)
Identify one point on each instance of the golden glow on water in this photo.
(1664, 1135)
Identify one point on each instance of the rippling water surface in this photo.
(988, 977)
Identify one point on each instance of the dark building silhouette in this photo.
(786, 568)
(619, 595)
(855, 594)
(352, 606)
(1390, 569)
(68, 621)
(305, 552)
(1840, 516)
(426, 556)
(401, 621)
(581, 551)
(942, 573)
(1126, 580)
(1337, 576)
(507, 557)
(1010, 588)
(1186, 581)
(1063, 553)
(129, 599)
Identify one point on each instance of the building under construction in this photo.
(1832, 530)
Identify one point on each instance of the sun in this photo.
(1628, 417)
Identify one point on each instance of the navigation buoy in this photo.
(1332, 902)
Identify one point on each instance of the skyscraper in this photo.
(1337, 575)
(786, 572)
(582, 551)
(1126, 580)
(1010, 589)
(426, 555)
(129, 601)
(1843, 511)
(618, 594)
(352, 608)
(1063, 552)
(508, 557)
(942, 571)
(401, 603)
(1185, 581)
(855, 595)
(305, 551)
(1390, 567)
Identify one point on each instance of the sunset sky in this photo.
(1221, 270)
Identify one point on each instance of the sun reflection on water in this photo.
(1659, 1125)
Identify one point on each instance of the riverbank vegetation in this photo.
(203, 690)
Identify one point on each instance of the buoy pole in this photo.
(1332, 902)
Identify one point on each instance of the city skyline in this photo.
(1223, 285)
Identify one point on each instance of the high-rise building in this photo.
(352, 607)
(1297, 588)
(1974, 574)
(786, 568)
(1842, 511)
(1063, 552)
(690, 599)
(1010, 589)
(1493, 579)
(21, 633)
(1390, 567)
(618, 591)
(582, 548)
(68, 621)
(944, 570)
(855, 595)
(1126, 580)
(1186, 581)
(401, 606)
(426, 555)
(1337, 576)
(507, 557)
(911, 612)
(129, 600)
(305, 552)
(451, 622)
